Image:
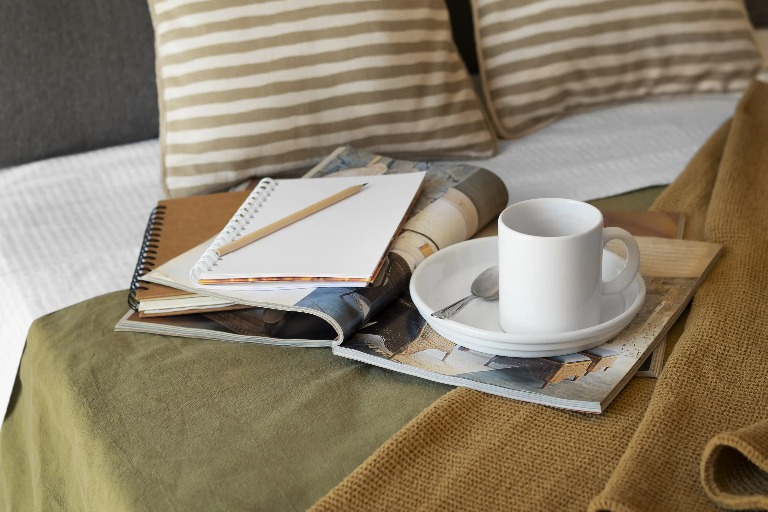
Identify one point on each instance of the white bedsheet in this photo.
(71, 227)
(609, 152)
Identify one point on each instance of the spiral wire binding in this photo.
(148, 253)
(234, 228)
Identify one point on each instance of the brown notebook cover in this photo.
(176, 226)
(640, 223)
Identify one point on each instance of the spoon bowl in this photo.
(484, 286)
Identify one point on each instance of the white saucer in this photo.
(446, 276)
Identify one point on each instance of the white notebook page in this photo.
(346, 241)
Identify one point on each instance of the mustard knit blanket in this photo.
(695, 439)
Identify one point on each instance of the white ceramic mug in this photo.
(550, 265)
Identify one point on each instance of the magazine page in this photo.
(245, 327)
(400, 339)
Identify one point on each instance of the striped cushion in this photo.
(543, 59)
(252, 88)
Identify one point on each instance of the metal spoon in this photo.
(485, 286)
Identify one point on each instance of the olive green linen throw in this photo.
(111, 421)
(649, 451)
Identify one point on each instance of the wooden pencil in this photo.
(288, 220)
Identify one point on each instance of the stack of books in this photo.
(279, 242)
(337, 275)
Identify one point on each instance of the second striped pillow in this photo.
(543, 59)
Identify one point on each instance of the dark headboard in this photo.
(463, 31)
(758, 12)
(76, 75)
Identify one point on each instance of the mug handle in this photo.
(632, 265)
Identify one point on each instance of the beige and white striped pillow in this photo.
(253, 88)
(541, 60)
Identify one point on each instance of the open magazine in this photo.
(400, 339)
(456, 201)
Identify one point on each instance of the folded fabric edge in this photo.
(734, 468)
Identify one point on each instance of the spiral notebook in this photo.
(342, 245)
(175, 226)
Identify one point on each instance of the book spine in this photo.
(148, 253)
(234, 228)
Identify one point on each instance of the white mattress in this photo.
(71, 227)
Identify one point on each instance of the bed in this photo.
(621, 149)
(71, 228)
